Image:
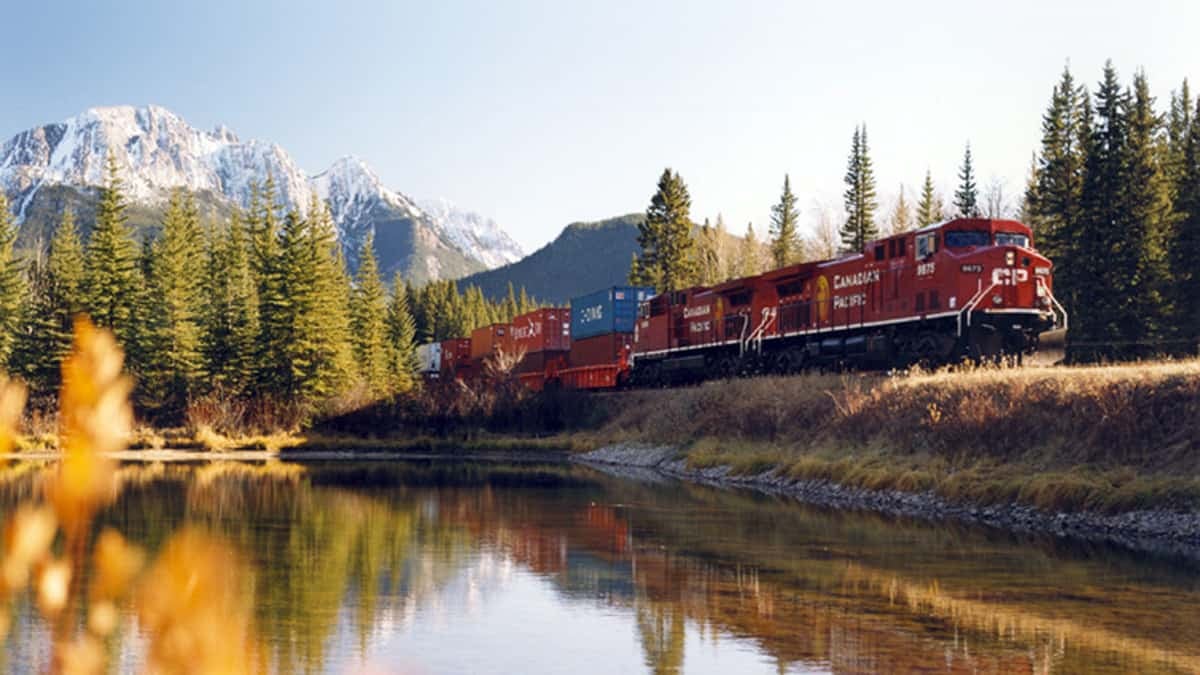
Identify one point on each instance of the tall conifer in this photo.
(966, 197)
(665, 237)
(860, 195)
(12, 283)
(929, 208)
(785, 238)
(110, 269)
(368, 315)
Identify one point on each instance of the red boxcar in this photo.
(546, 329)
(488, 340)
(456, 353)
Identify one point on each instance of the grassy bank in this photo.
(1099, 438)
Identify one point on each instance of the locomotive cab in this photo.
(1002, 286)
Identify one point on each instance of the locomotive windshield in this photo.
(1012, 239)
(963, 239)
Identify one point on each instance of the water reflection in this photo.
(440, 567)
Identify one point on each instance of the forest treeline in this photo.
(257, 311)
(1113, 197)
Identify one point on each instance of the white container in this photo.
(429, 358)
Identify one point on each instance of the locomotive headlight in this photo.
(1010, 258)
(1041, 291)
(997, 299)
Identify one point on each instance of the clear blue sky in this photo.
(542, 113)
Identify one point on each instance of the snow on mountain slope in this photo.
(479, 236)
(157, 151)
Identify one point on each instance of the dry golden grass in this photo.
(1106, 437)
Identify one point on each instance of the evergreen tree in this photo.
(373, 352)
(55, 296)
(1179, 127)
(1185, 245)
(230, 318)
(110, 267)
(275, 308)
(665, 236)
(785, 239)
(402, 337)
(12, 283)
(512, 307)
(1054, 201)
(901, 218)
(1140, 252)
(174, 304)
(1096, 332)
(929, 208)
(860, 195)
(966, 198)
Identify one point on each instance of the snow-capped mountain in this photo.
(46, 168)
(472, 232)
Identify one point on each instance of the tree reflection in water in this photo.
(346, 557)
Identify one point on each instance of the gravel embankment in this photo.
(1157, 531)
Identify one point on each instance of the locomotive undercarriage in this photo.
(988, 338)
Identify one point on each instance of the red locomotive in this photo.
(968, 288)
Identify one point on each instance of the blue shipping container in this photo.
(612, 310)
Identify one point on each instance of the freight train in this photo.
(964, 289)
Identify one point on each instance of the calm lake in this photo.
(452, 567)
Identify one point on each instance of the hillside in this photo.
(585, 257)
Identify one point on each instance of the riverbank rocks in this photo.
(1155, 531)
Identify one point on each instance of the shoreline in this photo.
(1152, 530)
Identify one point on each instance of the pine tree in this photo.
(1141, 252)
(512, 307)
(1054, 203)
(1179, 126)
(174, 305)
(901, 218)
(665, 237)
(1185, 244)
(860, 195)
(110, 268)
(54, 298)
(1096, 332)
(402, 337)
(329, 317)
(273, 376)
(229, 322)
(929, 208)
(785, 239)
(12, 283)
(966, 197)
(373, 352)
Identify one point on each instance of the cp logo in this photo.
(1007, 276)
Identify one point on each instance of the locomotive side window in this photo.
(902, 247)
(926, 245)
(963, 239)
(738, 299)
(879, 252)
(1012, 239)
